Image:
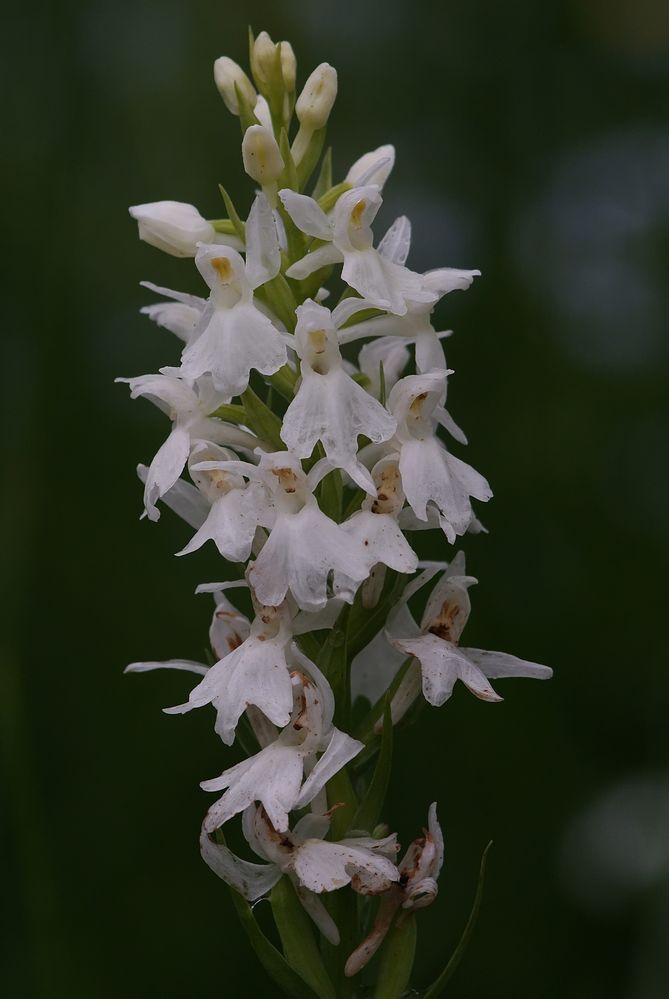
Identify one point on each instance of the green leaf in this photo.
(297, 939)
(342, 907)
(271, 959)
(371, 806)
(365, 623)
(397, 957)
(278, 294)
(232, 212)
(283, 381)
(382, 384)
(340, 792)
(262, 420)
(247, 115)
(230, 413)
(289, 176)
(223, 225)
(438, 987)
(324, 182)
(333, 661)
(329, 199)
(310, 159)
(365, 730)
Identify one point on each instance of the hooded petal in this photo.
(372, 168)
(183, 498)
(173, 226)
(231, 525)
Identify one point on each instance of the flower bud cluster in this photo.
(315, 498)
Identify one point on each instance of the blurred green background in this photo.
(533, 142)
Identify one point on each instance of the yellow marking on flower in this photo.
(287, 479)
(318, 340)
(223, 268)
(357, 212)
(416, 406)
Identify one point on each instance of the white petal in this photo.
(442, 663)
(231, 525)
(263, 256)
(340, 751)
(375, 668)
(321, 866)
(273, 776)
(313, 261)
(396, 243)
(250, 880)
(372, 168)
(165, 469)
(186, 501)
(172, 226)
(435, 832)
(446, 279)
(235, 341)
(501, 664)
(174, 316)
(314, 907)
(301, 551)
(389, 351)
(228, 628)
(429, 352)
(179, 296)
(380, 540)
(183, 664)
(307, 214)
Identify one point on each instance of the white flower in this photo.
(415, 326)
(304, 545)
(256, 672)
(188, 407)
(317, 98)
(276, 775)
(348, 238)
(430, 473)
(236, 507)
(416, 889)
(372, 168)
(172, 226)
(435, 644)
(234, 336)
(374, 527)
(329, 406)
(261, 156)
(313, 864)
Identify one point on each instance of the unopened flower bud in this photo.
(227, 75)
(288, 66)
(172, 226)
(262, 159)
(317, 98)
(263, 55)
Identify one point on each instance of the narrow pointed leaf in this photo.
(438, 986)
(297, 939)
(382, 384)
(289, 175)
(232, 212)
(369, 811)
(324, 182)
(262, 420)
(230, 413)
(334, 662)
(329, 199)
(271, 959)
(397, 957)
(310, 159)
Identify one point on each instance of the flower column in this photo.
(307, 469)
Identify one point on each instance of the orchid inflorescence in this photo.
(310, 471)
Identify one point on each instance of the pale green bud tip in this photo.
(315, 102)
(260, 152)
(227, 74)
(288, 66)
